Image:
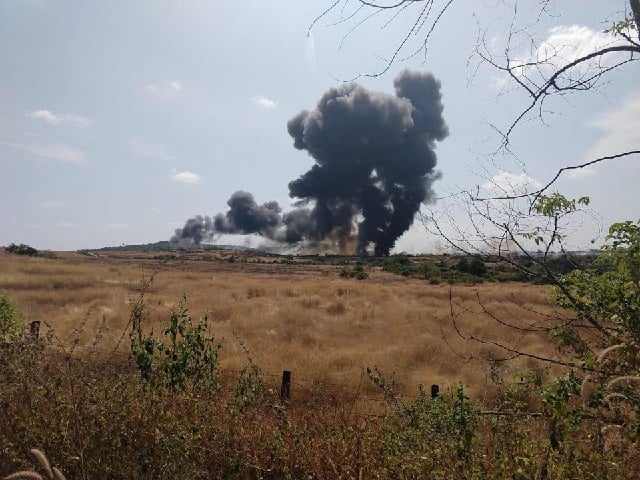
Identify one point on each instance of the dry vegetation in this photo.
(303, 318)
(80, 397)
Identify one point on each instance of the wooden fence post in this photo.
(34, 330)
(435, 390)
(285, 389)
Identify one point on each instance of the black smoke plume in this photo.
(244, 216)
(374, 165)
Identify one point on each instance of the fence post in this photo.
(34, 330)
(285, 389)
(435, 389)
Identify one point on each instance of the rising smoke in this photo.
(374, 165)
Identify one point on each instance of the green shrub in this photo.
(11, 321)
(417, 429)
(358, 272)
(22, 249)
(249, 387)
(188, 356)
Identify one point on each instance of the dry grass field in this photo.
(296, 316)
(79, 396)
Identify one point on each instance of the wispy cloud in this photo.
(186, 177)
(61, 118)
(621, 127)
(263, 102)
(145, 149)
(498, 82)
(509, 184)
(566, 43)
(579, 173)
(621, 133)
(118, 226)
(170, 88)
(53, 151)
(49, 204)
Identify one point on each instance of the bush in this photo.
(606, 296)
(11, 321)
(358, 272)
(417, 428)
(188, 356)
(475, 267)
(22, 249)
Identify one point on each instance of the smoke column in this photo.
(374, 164)
(374, 157)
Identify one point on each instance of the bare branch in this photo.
(536, 194)
(421, 23)
(551, 84)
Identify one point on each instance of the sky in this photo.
(120, 120)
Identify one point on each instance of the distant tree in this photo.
(463, 265)
(22, 249)
(477, 266)
(358, 272)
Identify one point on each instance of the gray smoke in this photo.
(374, 158)
(375, 161)
(195, 231)
(244, 216)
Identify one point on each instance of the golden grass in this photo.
(303, 318)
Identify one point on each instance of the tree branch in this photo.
(536, 194)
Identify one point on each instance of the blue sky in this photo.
(119, 120)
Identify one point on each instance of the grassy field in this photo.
(79, 396)
(296, 316)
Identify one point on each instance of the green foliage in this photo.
(22, 249)
(609, 292)
(249, 387)
(624, 249)
(423, 269)
(358, 272)
(463, 265)
(606, 296)
(557, 204)
(475, 267)
(95, 420)
(424, 424)
(554, 208)
(559, 404)
(398, 264)
(187, 356)
(622, 27)
(11, 321)
(443, 420)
